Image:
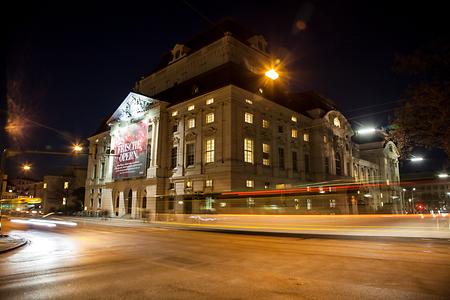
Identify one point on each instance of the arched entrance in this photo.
(129, 201)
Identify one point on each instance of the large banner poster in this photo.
(130, 151)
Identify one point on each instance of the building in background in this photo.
(64, 192)
(208, 122)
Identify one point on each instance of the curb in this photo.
(19, 243)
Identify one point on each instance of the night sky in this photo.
(69, 66)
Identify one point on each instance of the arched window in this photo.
(144, 202)
(117, 202)
(338, 164)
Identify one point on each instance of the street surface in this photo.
(141, 261)
(418, 225)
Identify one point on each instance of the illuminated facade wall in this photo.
(227, 139)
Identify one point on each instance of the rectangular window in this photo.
(307, 163)
(208, 183)
(327, 165)
(210, 101)
(294, 162)
(191, 107)
(190, 154)
(248, 150)
(294, 119)
(174, 113)
(308, 204)
(265, 124)
(45, 185)
(306, 137)
(280, 129)
(294, 133)
(266, 154)
(249, 183)
(281, 158)
(209, 155)
(66, 185)
(248, 118)
(209, 118)
(95, 172)
(189, 184)
(248, 101)
(191, 123)
(173, 162)
(102, 170)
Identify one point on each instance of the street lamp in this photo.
(443, 175)
(272, 74)
(416, 159)
(26, 167)
(77, 148)
(366, 131)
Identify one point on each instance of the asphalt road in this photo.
(94, 261)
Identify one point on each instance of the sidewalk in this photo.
(8, 243)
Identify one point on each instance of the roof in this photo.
(212, 34)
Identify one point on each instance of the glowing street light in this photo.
(366, 131)
(272, 74)
(77, 148)
(26, 167)
(443, 175)
(416, 159)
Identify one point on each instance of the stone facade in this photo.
(211, 130)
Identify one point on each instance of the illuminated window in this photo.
(191, 107)
(306, 137)
(248, 150)
(191, 123)
(209, 183)
(265, 124)
(266, 154)
(209, 117)
(336, 122)
(308, 204)
(210, 101)
(248, 118)
(209, 154)
(174, 113)
(64, 201)
(66, 185)
(189, 184)
(249, 183)
(294, 119)
(248, 101)
(45, 185)
(294, 133)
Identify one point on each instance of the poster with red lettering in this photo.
(130, 151)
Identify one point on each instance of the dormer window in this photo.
(258, 42)
(178, 52)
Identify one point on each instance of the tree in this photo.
(424, 119)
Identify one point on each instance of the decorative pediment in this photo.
(133, 107)
(191, 136)
(210, 130)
